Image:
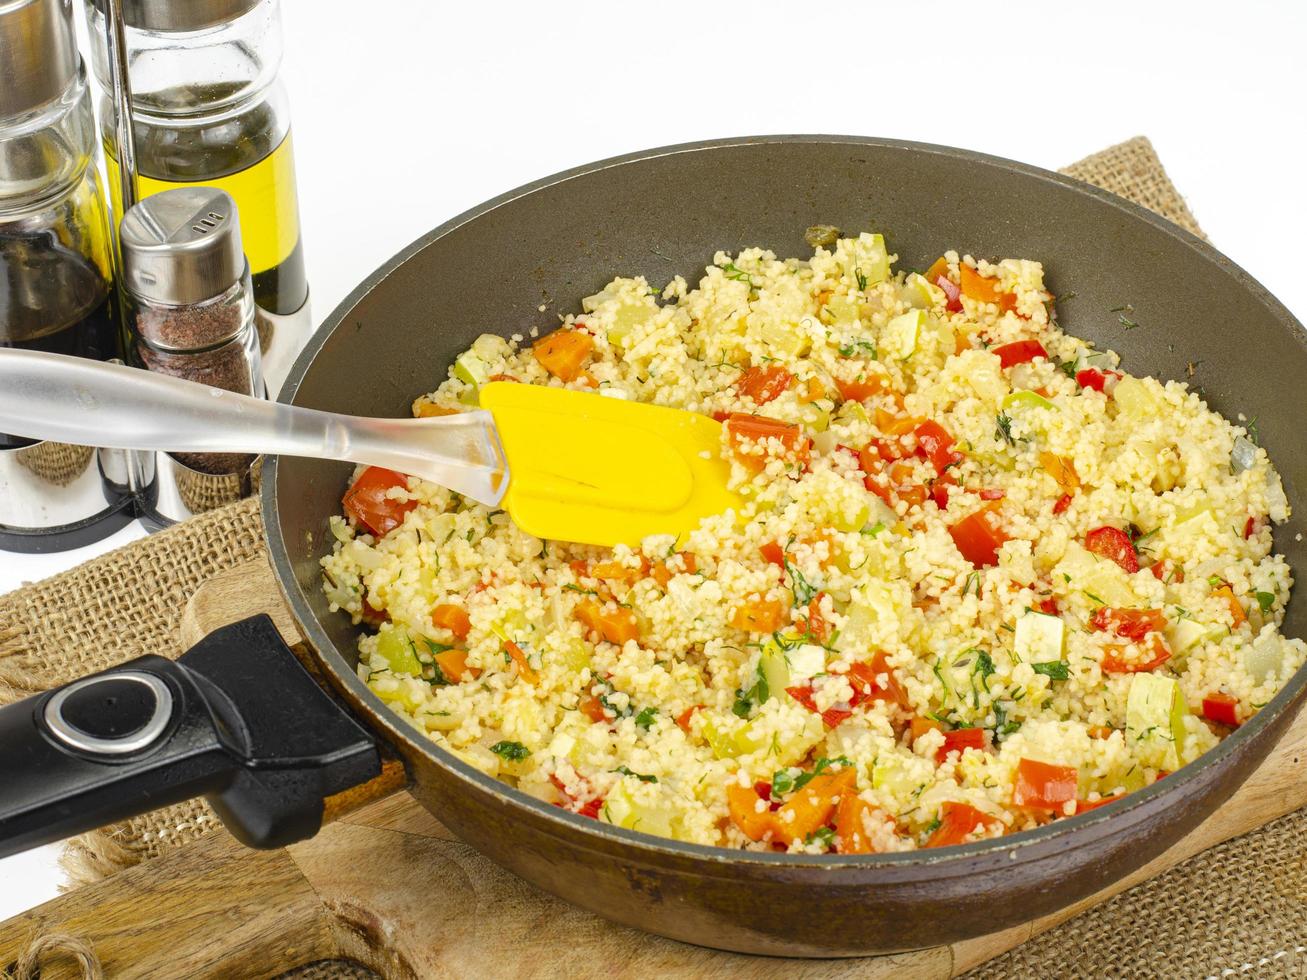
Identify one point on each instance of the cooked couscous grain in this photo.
(982, 578)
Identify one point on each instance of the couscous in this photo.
(982, 578)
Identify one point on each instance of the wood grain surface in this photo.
(389, 886)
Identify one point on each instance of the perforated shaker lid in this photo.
(182, 246)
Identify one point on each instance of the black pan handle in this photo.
(236, 719)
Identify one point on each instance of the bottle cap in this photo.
(182, 246)
(180, 15)
(38, 51)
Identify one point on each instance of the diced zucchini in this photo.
(1137, 399)
(470, 369)
(1187, 634)
(1026, 399)
(870, 258)
(806, 661)
(773, 668)
(622, 809)
(900, 336)
(919, 293)
(396, 646)
(786, 339)
(1154, 720)
(1264, 658)
(1039, 637)
(1099, 578)
(728, 741)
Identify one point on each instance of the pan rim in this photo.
(1046, 839)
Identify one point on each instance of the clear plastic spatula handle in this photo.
(69, 399)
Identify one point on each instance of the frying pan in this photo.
(249, 729)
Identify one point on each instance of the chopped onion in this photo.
(1277, 504)
(1243, 455)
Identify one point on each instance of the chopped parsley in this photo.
(1068, 368)
(645, 718)
(747, 698)
(1058, 670)
(822, 765)
(1254, 436)
(803, 590)
(984, 664)
(1265, 600)
(873, 529)
(643, 777)
(782, 781)
(1002, 726)
(732, 271)
(512, 751)
(1003, 429)
(822, 835)
(857, 348)
(862, 280)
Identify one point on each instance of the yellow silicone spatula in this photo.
(598, 470)
(566, 465)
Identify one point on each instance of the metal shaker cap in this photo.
(182, 246)
(167, 16)
(38, 53)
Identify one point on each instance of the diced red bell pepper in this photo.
(1113, 543)
(959, 740)
(1130, 624)
(952, 294)
(813, 624)
(773, 552)
(979, 536)
(683, 719)
(1063, 502)
(764, 384)
(864, 678)
(939, 493)
(934, 442)
(1084, 806)
(1019, 352)
(831, 717)
(1114, 661)
(1221, 707)
(957, 822)
(1049, 606)
(1249, 526)
(992, 494)
(741, 427)
(367, 504)
(1091, 378)
(1041, 786)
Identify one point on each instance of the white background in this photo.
(407, 112)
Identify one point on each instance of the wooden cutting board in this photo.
(387, 885)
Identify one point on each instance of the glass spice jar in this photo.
(190, 301)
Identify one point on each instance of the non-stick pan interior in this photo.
(666, 212)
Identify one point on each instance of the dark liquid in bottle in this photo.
(52, 299)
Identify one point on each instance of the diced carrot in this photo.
(522, 665)
(505, 377)
(448, 616)
(922, 725)
(453, 665)
(757, 615)
(425, 410)
(812, 390)
(978, 536)
(896, 425)
(863, 388)
(616, 571)
(662, 572)
(563, 352)
(1101, 731)
(764, 384)
(984, 289)
(849, 826)
(1115, 662)
(683, 719)
(811, 808)
(749, 811)
(615, 626)
(1062, 470)
(1042, 786)
(592, 708)
(957, 822)
(937, 268)
(1236, 607)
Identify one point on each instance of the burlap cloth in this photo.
(1235, 909)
